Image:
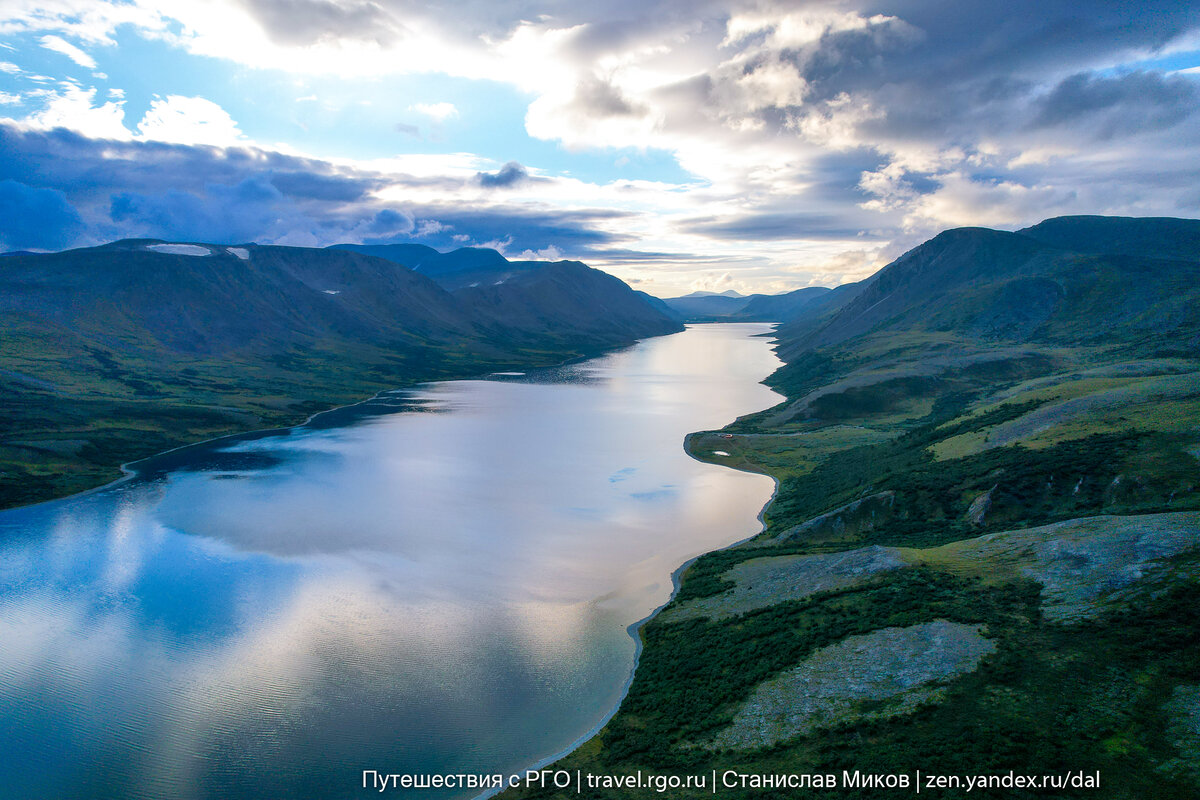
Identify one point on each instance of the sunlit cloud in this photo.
(811, 143)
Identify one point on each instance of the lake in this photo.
(442, 580)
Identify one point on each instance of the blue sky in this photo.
(706, 145)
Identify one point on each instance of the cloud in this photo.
(1119, 105)
(73, 107)
(439, 112)
(601, 98)
(60, 45)
(174, 191)
(307, 22)
(390, 222)
(755, 227)
(222, 214)
(800, 125)
(189, 120)
(36, 219)
(508, 175)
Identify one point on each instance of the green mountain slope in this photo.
(1013, 286)
(982, 554)
(114, 353)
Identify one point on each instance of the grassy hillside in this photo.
(984, 553)
(112, 354)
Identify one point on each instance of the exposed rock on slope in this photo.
(898, 665)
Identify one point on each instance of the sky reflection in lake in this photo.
(408, 592)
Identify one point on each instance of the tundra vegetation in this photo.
(984, 551)
(114, 353)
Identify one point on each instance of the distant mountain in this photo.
(466, 266)
(731, 306)
(782, 307)
(410, 255)
(565, 300)
(705, 307)
(218, 302)
(1067, 280)
(211, 299)
(113, 353)
(726, 293)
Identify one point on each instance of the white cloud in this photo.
(60, 45)
(9, 67)
(436, 111)
(177, 119)
(73, 107)
(8, 99)
(774, 107)
(190, 120)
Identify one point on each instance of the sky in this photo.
(682, 146)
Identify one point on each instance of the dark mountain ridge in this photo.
(113, 353)
(270, 297)
(566, 300)
(1066, 280)
(217, 303)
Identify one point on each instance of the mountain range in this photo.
(113, 353)
(733, 307)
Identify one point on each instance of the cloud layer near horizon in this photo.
(815, 140)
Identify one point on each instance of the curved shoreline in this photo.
(145, 468)
(635, 629)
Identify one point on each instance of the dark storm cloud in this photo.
(222, 214)
(390, 222)
(36, 219)
(337, 188)
(89, 168)
(575, 233)
(90, 191)
(1127, 103)
(1023, 38)
(959, 70)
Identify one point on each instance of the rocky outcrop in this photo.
(761, 582)
(901, 666)
(1080, 562)
(852, 519)
(980, 506)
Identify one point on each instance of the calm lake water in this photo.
(439, 581)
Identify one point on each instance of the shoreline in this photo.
(129, 471)
(635, 629)
(134, 469)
